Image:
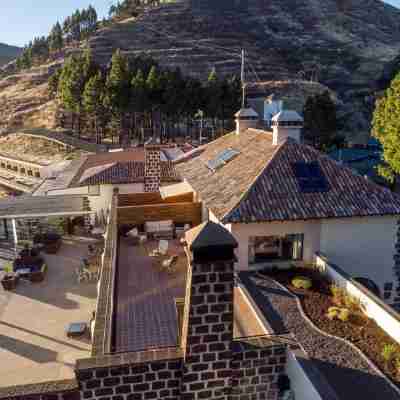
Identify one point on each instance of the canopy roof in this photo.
(44, 206)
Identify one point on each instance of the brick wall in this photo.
(49, 396)
(152, 175)
(150, 380)
(256, 367)
(209, 315)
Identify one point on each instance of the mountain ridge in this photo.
(8, 53)
(344, 44)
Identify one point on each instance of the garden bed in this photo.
(358, 329)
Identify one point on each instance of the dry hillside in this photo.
(344, 44)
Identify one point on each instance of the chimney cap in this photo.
(246, 113)
(288, 116)
(209, 234)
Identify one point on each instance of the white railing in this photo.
(386, 317)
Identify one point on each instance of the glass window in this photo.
(275, 248)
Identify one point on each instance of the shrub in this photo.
(333, 312)
(338, 295)
(344, 314)
(397, 365)
(388, 352)
(302, 282)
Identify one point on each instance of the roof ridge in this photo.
(245, 193)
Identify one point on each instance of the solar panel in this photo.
(214, 164)
(310, 177)
(222, 158)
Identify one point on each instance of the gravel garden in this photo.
(338, 314)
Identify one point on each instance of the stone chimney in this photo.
(207, 331)
(246, 118)
(152, 169)
(286, 124)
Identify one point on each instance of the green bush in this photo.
(389, 351)
(344, 314)
(302, 282)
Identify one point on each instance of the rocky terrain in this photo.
(345, 45)
(8, 53)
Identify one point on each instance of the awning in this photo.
(175, 190)
(44, 206)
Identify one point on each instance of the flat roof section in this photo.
(43, 206)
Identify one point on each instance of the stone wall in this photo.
(257, 363)
(159, 379)
(152, 172)
(207, 369)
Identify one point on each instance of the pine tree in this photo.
(93, 103)
(71, 85)
(320, 121)
(117, 91)
(56, 41)
(386, 128)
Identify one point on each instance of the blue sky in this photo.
(21, 20)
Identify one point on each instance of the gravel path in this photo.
(349, 374)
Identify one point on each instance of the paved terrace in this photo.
(145, 314)
(33, 344)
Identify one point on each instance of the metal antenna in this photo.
(243, 80)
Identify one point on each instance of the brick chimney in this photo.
(207, 331)
(152, 169)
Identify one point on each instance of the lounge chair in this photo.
(162, 249)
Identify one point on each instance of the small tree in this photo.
(386, 128)
(320, 121)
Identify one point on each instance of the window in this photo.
(22, 171)
(275, 248)
(37, 174)
(222, 158)
(310, 177)
(30, 173)
(94, 190)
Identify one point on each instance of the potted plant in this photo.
(9, 281)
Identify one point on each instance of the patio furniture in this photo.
(169, 264)
(160, 229)
(162, 249)
(133, 237)
(51, 242)
(76, 329)
(37, 276)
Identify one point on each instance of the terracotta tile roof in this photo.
(129, 172)
(120, 167)
(260, 185)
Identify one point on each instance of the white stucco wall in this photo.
(363, 247)
(310, 229)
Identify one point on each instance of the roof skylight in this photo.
(310, 177)
(222, 158)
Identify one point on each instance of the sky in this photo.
(21, 20)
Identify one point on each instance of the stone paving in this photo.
(33, 345)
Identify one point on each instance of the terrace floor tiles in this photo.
(145, 313)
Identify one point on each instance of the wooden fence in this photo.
(141, 199)
(186, 213)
